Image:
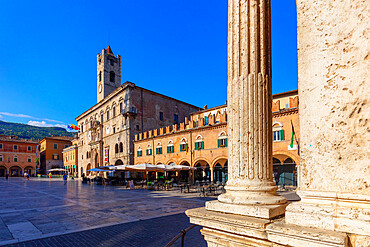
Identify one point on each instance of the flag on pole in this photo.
(293, 133)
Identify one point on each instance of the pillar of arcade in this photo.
(250, 189)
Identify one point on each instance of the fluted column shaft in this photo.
(249, 105)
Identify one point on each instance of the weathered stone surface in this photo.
(334, 174)
(293, 235)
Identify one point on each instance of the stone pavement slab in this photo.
(41, 208)
(147, 233)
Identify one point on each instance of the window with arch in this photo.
(170, 147)
(114, 111)
(199, 143)
(183, 145)
(112, 76)
(139, 152)
(99, 75)
(116, 148)
(120, 147)
(278, 132)
(158, 150)
(101, 118)
(149, 150)
(222, 140)
(107, 114)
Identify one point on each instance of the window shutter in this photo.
(218, 143)
(168, 149)
(147, 152)
(202, 145)
(282, 135)
(225, 142)
(186, 147)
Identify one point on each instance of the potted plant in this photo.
(150, 185)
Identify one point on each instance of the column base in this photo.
(224, 229)
(254, 210)
(331, 211)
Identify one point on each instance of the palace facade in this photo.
(17, 156)
(202, 142)
(108, 128)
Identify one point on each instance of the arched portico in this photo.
(203, 171)
(3, 171)
(284, 170)
(15, 171)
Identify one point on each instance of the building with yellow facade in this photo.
(202, 142)
(51, 149)
(70, 158)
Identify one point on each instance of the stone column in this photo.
(250, 188)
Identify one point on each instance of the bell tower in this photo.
(108, 73)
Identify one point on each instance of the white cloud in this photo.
(44, 124)
(1, 117)
(28, 116)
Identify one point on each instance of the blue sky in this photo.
(174, 47)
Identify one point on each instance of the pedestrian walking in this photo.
(6, 176)
(28, 176)
(65, 179)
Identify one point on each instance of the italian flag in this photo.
(293, 133)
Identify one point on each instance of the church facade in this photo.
(108, 128)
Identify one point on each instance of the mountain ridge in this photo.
(27, 131)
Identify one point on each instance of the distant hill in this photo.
(28, 131)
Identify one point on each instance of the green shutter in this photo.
(146, 152)
(225, 142)
(202, 145)
(218, 143)
(282, 135)
(168, 149)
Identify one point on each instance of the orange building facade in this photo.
(51, 152)
(70, 158)
(201, 141)
(17, 156)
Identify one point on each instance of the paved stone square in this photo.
(43, 208)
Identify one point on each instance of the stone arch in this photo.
(282, 155)
(183, 140)
(15, 171)
(3, 171)
(222, 134)
(88, 167)
(201, 160)
(97, 160)
(219, 159)
(199, 137)
(118, 162)
(182, 161)
(170, 161)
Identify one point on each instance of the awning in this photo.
(57, 170)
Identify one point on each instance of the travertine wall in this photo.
(334, 62)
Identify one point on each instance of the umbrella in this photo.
(142, 167)
(119, 167)
(98, 170)
(57, 170)
(165, 167)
